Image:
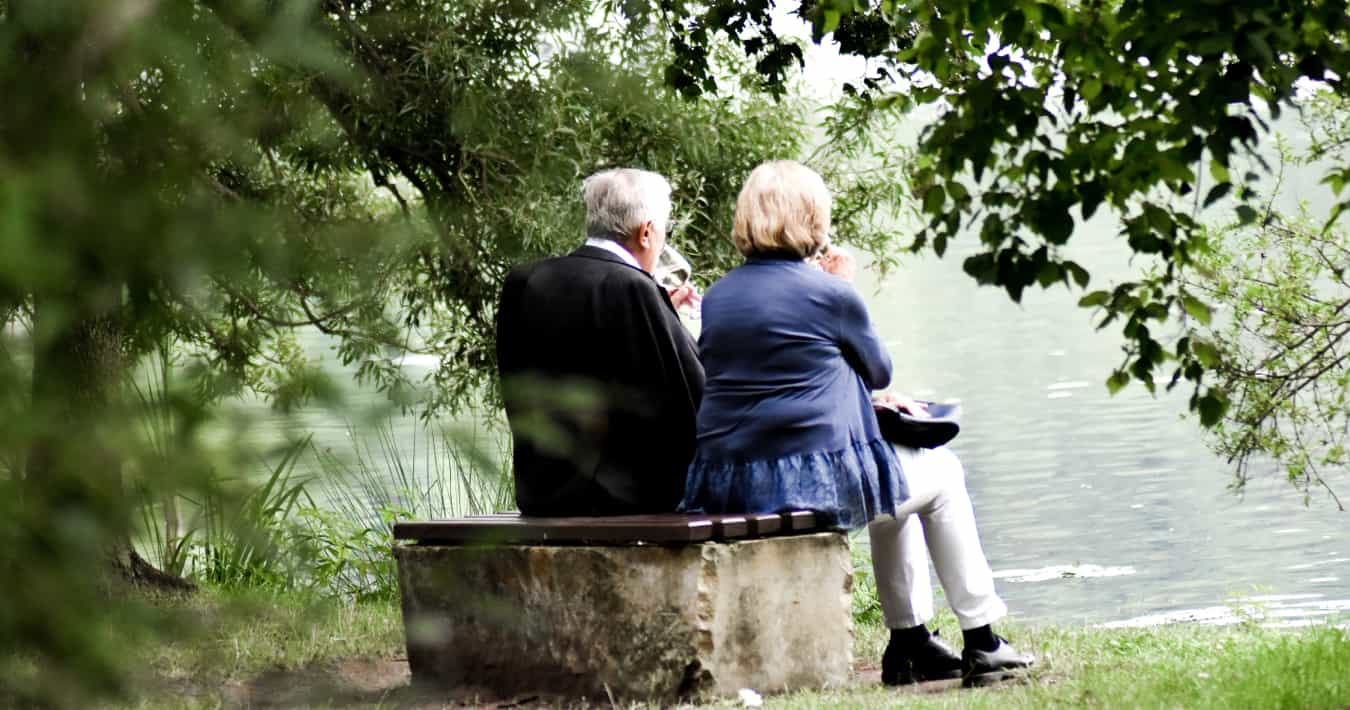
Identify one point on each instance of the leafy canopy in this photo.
(1051, 112)
(1282, 345)
(197, 181)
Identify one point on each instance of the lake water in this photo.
(1096, 508)
(1093, 508)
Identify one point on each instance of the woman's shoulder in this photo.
(758, 280)
(826, 286)
(757, 272)
(739, 278)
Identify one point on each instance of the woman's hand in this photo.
(905, 404)
(685, 295)
(838, 262)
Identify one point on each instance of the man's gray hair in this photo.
(621, 200)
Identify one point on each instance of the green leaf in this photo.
(1206, 353)
(1051, 15)
(1336, 180)
(934, 199)
(1049, 273)
(1219, 171)
(831, 22)
(1091, 194)
(957, 191)
(1213, 43)
(1245, 214)
(1212, 406)
(1335, 215)
(1095, 299)
(1117, 381)
(1265, 55)
(1054, 222)
(1090, 89)
(1013, 24)
(981, 267)
(1196, 308)
(1079, 274)
(1218, 192)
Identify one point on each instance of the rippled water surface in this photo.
(1096, 508)
(1092, 508)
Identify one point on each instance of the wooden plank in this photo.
(518, 530)
(504, 535)
(513, 528)
(729, 527)
(764, 524)
(799, 521)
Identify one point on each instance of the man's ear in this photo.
(645, 235)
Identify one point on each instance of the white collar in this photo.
(615, 248)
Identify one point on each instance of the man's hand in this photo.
(838, 262)
(901, 402)
(685, 295)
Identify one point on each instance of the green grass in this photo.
(227, 643)
(301, 650)
(1187, 666)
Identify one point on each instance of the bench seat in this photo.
(515, 529)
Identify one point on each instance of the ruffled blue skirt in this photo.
(848, 486)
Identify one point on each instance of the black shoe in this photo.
(931, 660)
(987, 667)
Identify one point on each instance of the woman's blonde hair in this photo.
(784, 209)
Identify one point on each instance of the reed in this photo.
(361, 494)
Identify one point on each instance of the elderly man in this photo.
(601, 381)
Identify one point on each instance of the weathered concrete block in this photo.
(637, 622)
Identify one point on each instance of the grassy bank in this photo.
(256, 648)
(298, 650)
(1191, 666)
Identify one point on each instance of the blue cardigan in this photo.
(786, 420)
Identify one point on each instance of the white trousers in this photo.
(938, 521)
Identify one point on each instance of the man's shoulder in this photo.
(583, 262)
(529, 267)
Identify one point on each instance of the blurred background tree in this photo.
(197, 181)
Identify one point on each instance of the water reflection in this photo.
(1096, 508)
(1268, 610)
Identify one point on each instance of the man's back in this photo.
(601, 384)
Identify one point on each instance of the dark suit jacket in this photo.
(601, 384)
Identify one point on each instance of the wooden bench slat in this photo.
(799, 520)
(513, 528)
(765, 523)
(558, 530)
(730, 527)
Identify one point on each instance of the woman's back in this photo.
(786, 421)
(780, 378)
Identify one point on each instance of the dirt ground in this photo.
(385, 682)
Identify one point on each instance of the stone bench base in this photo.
(630, 622)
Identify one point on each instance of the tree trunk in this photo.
(78, 365)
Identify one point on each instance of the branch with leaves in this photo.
(1048, 112)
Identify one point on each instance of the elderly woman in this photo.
(787, 423)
